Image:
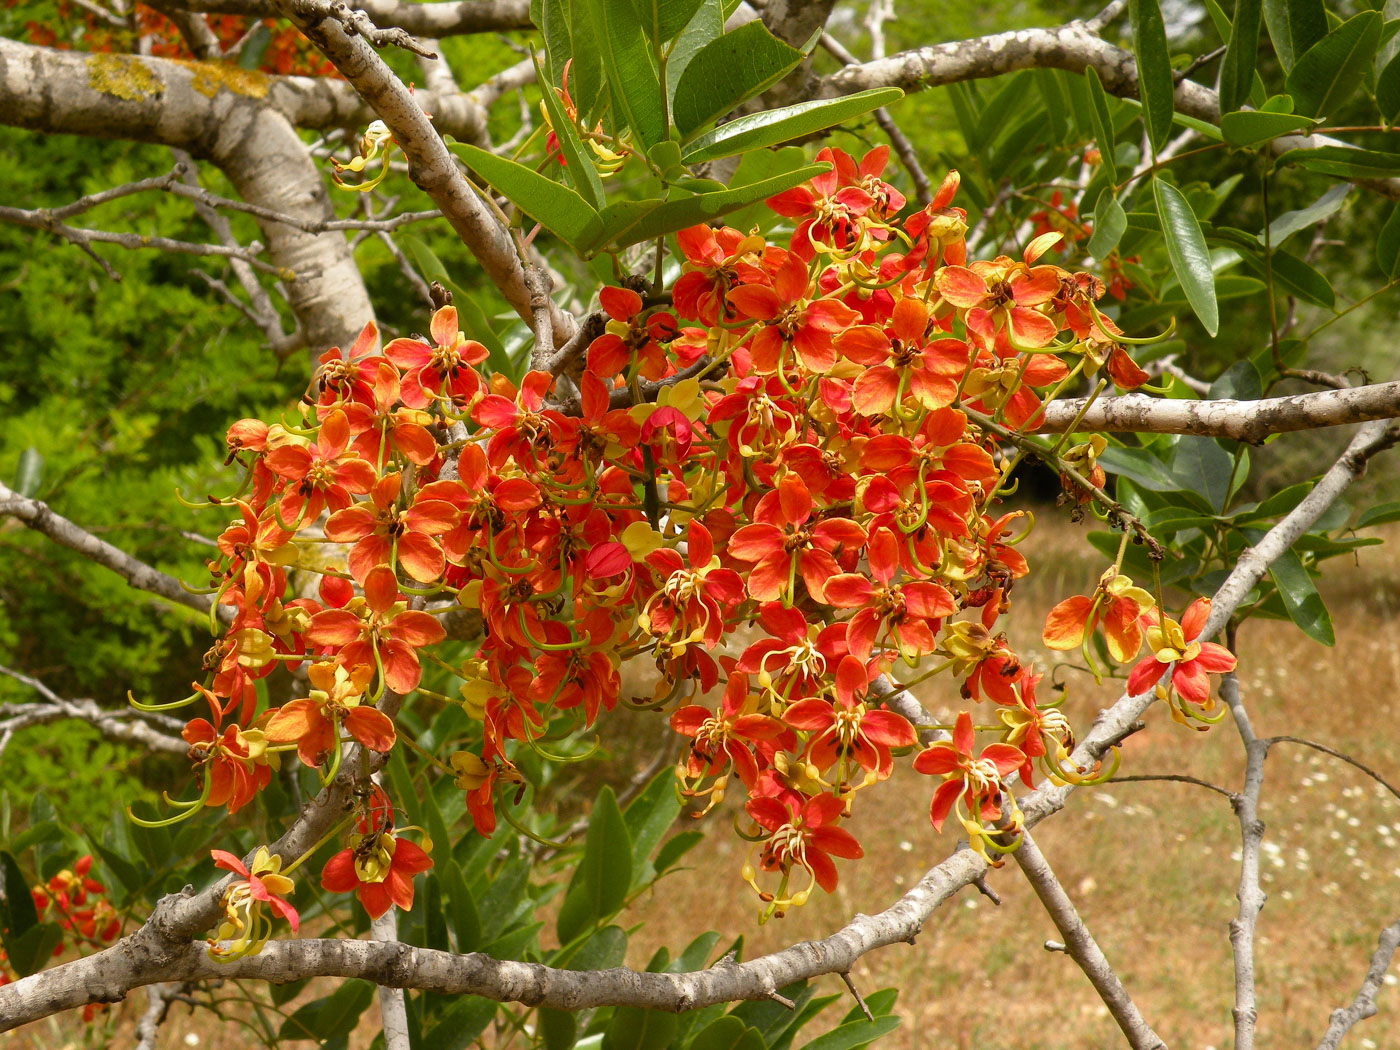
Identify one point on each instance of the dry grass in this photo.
(1152, 867)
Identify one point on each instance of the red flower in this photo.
(378, 630)
(337, 699)
(350, 378)
(1174, 645)
(628, 340)
(383, 534)
(727, 738)
(1001, 297)
(323, 474)
(791, 320)
(785, 543)
(379, 867)
(442, 370)
(975, 780)
(848, 729)
(805, 837)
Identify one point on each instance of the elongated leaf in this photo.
(854, 1034)
(1110, 222)
(17, 912)
(1388, 88)
(1294, 26)
(568, 36)
(1291, 222)
(1139, 465)
(633, 1028)
(725, 72)
(661, 20)
(1296, 277)
(1388, 245)
(1343, 161)
(1103, 123)
(461, 1024)
(1155, 85)
(1199, 464)
(634, 82)
(1332, 69)
(1379, 515)
(1186, 248)
(707, 24)
(329, 1017)
(1300, 598)
(466, 923)
(576, 158)
(631, 222)
(1251, 127)
(560, 210)
(1237, 70)
(776, 126)
(30, 472)
(604, 874)
(650, 815)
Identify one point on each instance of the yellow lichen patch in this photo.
(122, 76)
(208, 77)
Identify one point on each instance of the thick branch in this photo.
(448, 18)
(1242, 420)
(433, 168)
(1073, 47)
(1249, 893)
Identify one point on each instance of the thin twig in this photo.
(1364, 1005)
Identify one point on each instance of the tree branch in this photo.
(1242, 420)
(123, 726)
(432, 167)
(1081, 946)
(39, 517)
(1250, 893)
(1364, 1005)
(447, 18)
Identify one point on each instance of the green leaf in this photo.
(650, 815)
(31, 950)
(461, 1024)
(726, 71)
(1155, 84)
(568, 35)
(1333, 68)
(1103, 124)
(727, 1033)
(631, 222)
(1343, 162)
(559, 1028)
(576, 159)
(1388, 245)
(1140, 465)
(1237, 70)
(707, 25)
(332, 1016)
(560, 210)
(633, 79)
(17, 912)
(853, 1035)
(662, 20)
(1291, 222)
(1110, 222)
(633, 1028)
(1251, 127)
(1296, 277)
(1186, 248)
(776, 126)
(466, 923)
(675, 848)
(604, 873)
(1199, 464)
(1299, 593)
(1379, 515)
(1294, 26)
(1388, 89)
(30, 472)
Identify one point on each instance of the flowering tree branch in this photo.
(444, 18)
(165, 949)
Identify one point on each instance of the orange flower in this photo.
(336, 699)
(1117, 601)
(379, 867)
(1174, 645)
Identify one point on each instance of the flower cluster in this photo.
(785, 482)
